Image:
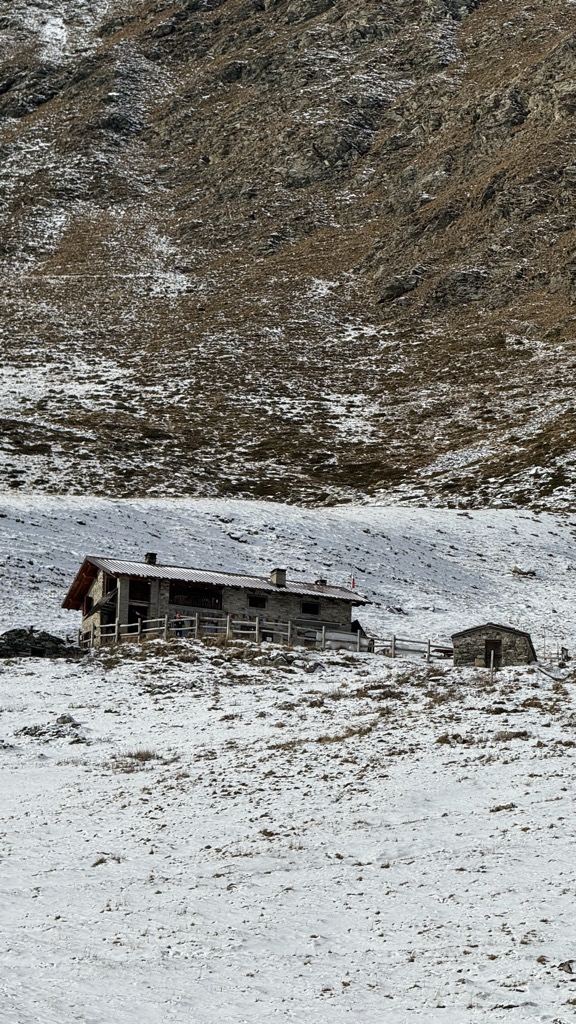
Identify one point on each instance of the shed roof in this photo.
(143, 570)
(492, 625)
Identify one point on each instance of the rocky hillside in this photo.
(300, 249)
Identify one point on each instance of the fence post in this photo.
(228, 626)
(393, 647)
(257, 630)
(358, 641)
(492, 665)
(323, 638)
(92, 634)
(289, 634)
(139, 629)
(197, 625)
(117, 631)
(428, 656)
(166, 626)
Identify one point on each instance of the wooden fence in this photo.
(401, 647)
(256, 630)
(193, 626)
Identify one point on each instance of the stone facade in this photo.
(93, 597)
(511, 646)
(280, 605)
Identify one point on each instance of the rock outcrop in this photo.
(32, 643)
(303, 249)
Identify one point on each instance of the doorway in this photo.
(136, 612)
(493, 647)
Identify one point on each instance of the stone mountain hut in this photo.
(119, 598)
(509, 646)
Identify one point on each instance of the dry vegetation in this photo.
(300, 249)
(356, 840)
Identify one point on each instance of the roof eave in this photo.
(93, 563)
(80, 585)
(492, 625)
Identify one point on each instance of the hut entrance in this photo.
(493, 647)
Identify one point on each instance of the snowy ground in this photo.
(196, 835)
(445, 569)
(225, 841)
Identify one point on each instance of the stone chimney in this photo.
(278, 577)
(150, 558)
(322, 583)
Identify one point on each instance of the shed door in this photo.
(496, 647)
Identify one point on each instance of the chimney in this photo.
(150, 558)
(278, 577)
(321, 583)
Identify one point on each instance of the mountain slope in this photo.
(302, 249)
(427, 572)
(206, 835)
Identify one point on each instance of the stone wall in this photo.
(515, 646)
(123, 602)
(96, 592)
(281, 605)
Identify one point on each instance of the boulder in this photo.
(31, 643)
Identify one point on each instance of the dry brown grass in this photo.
(408, 161)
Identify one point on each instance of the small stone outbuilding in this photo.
(509, 646)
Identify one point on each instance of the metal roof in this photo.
(143, 570)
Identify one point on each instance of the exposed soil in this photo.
(300, 249)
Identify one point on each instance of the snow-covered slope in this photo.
(234, 836)
(222, 841)
(446, 570)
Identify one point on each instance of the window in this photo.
(110, 583)
(256, 601)
(194, 596)
(311, 607)
(88, 604)
(139, 590)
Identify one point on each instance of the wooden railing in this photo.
(398, 647)
(196, 626)
(256, 630)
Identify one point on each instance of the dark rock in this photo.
(67, 720)
(64, 728)
(31, 643)
(112, 26)
(119, 123)
(166, 29)
(203, 5)
(232, 72)
(305, 10)
(398, 286)
(458, 9)
(461, 287)
(8, 82)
